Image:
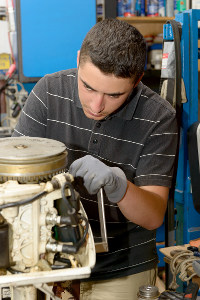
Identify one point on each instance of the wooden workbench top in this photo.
(168, 257)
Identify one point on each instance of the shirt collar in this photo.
(126, 111)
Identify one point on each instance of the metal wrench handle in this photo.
(102, 246)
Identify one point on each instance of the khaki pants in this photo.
(125, 288)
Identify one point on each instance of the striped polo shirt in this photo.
(140, 138)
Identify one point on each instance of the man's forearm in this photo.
(145, 206)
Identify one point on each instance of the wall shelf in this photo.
(146, 19)
(147, 25)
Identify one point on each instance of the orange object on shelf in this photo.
(195, 243)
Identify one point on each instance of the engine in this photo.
(44, 231)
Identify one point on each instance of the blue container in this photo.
(143, 11)
(138, 7)
(161, 8)
(120, 8)
(130, 6)
(152, 8)
(176, 11)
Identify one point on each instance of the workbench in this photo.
(167, 258)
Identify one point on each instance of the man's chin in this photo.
(93, 116)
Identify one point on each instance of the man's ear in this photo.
(140, 78)
(77, 60)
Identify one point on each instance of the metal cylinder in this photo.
(149, 292)
(31, 159)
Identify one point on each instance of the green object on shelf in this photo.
(181, 5)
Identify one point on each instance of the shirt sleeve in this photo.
(156, 163)
(33, 117)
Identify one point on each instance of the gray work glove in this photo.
(96, 174)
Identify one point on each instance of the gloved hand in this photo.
(96, 175)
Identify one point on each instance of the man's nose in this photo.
(97, 104)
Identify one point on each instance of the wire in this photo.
(66, 262)
(57, 257)
(82, 240)
(11, 96)
(74, 248)
(180, 263)
(5, 119)
(6, 84)
(71, 209)
(23, 202)
(13, 271)
(58, 267)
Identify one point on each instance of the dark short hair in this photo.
(115, 47)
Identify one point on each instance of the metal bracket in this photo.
(102, 246)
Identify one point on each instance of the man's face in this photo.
(101, 94)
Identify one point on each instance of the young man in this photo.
(121, 136)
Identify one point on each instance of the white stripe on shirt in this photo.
(33, 118)
(89, 130)
(103, 158)
(39, 99)
(153, 175)
(159, 154)
(60, 97)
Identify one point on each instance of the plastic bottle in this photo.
(169, 8)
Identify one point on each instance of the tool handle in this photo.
(191, 291)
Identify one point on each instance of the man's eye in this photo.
(87, 88)
(114, 96)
